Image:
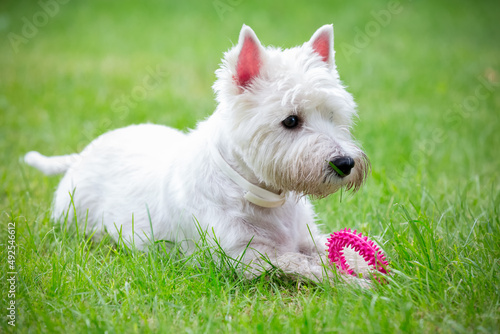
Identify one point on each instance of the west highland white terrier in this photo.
(281, 131)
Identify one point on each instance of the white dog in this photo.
(280, 132)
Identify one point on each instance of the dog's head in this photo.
(287, 116)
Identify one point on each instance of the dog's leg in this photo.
(260, 258)
(300, 266)
(307, 266)
(315, 268)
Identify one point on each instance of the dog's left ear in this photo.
(250, 53)
(322, 43)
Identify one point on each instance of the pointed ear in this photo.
(322, 43)
(249, 57)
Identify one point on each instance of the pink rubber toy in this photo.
(366, 248)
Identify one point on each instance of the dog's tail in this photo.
(51, 165)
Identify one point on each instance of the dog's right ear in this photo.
(322, 43)
(249, 57)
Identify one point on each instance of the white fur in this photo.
(147, 180)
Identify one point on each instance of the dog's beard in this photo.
(318, 182)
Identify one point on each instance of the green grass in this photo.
(432, 200)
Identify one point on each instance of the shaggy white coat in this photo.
(151, 181)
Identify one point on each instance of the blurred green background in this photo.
(424, 75)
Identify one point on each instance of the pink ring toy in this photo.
(366, 249)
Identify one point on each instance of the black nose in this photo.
(343, 165)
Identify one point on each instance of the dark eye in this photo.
(291, 121)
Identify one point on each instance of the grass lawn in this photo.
(425, 75)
